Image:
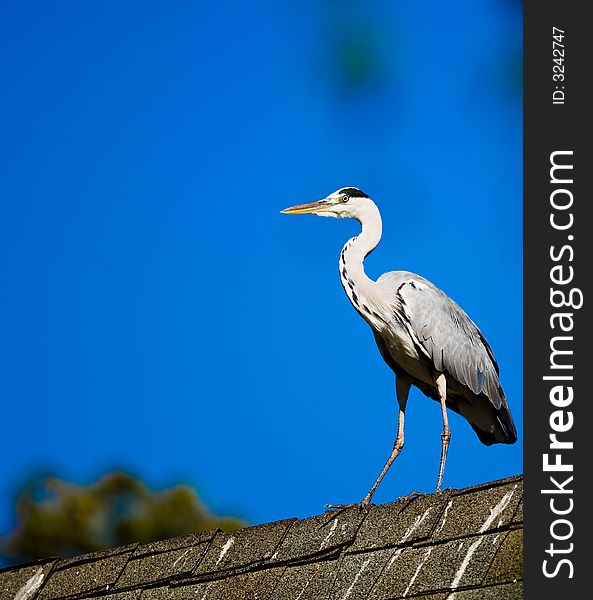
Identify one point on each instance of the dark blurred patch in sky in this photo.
(355, 60)
(360, 55)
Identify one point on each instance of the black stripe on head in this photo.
(353, 192)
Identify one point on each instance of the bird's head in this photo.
(345, 203)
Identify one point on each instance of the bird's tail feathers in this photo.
(495, 426)
(502, 429)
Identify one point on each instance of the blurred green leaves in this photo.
(359, 51)
(356, 60)
(58, 518)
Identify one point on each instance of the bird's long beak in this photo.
(301, 209)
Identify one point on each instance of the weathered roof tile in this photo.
(257, 585)
(449, 565)
(243, 547)
(80, 577)
(24, 580)
(506, 591)
(183, 541)
(127, 595)
(162, 593)
(464, 541)
(155, 568)
(320, 536)
(457, 563)
(358, 573)
(479, 510)
(508, 563)
(312, 581)
(518, 516)
(400, 523)
(399, 573)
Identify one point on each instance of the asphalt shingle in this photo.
(508, 563)
(478, 510)
(243, 547)
(507, 591)
(162, 566)
(24, 580)
(184, 541)
(252, 585)
(90, 574)
(311, 581)
(462, 544)
(320, 536)
(400, 523)
(358, 573)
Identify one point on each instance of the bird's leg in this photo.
(441, 384)
(402, 388)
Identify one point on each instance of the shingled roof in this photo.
(460, 545)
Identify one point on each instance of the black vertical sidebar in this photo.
(558, 268)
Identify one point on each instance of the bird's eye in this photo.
(345, 198)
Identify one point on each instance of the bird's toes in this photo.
(412, 496)
(342, 507)
(331, 507)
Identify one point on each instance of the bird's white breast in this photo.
(397, 338)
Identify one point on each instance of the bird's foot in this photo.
(412, 496)
(342, 507)
(439, 489)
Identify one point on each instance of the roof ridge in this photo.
(459, 539)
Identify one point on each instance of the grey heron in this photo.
(422, 334)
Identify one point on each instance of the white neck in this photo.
(357, 285)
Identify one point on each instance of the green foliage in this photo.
(57, 518)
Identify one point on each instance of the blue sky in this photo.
(159, 314)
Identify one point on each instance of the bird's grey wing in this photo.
(449, 337)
